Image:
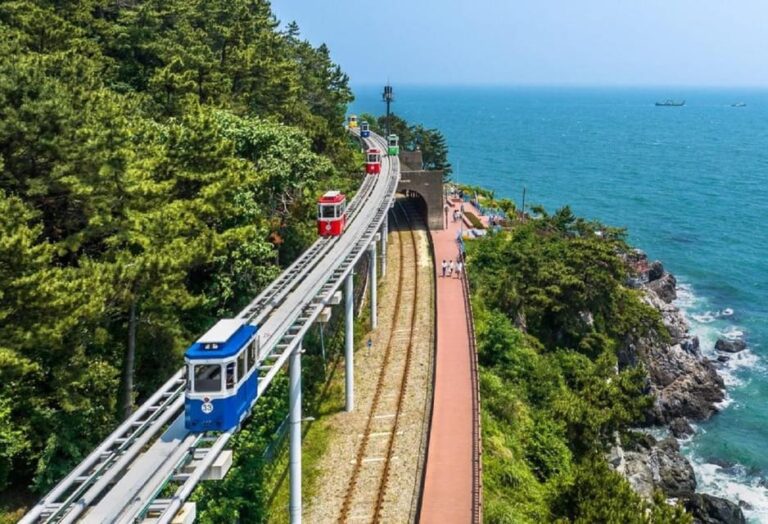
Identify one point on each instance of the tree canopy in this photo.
(551, 311)
(159, 162)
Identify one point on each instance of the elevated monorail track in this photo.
(124, 479)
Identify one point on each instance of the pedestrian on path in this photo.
(450, 268)
(459, 267)
(444, 267)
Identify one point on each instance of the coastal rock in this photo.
(655, 271)
(708, 509)
(730, 346)
(680, 428)
(685, 385)
(675, 473)
(616, 457)
(664, 287)
(723, 358)
(691, 345)
(627, 355)
(649, 465)
(638, 472)
(683, 382)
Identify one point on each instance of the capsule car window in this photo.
(208, 378)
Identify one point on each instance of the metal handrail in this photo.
(477, 447)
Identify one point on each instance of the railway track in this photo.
(366, 494)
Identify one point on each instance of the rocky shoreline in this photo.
(686, 387)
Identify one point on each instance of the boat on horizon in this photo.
(671, 103)
(739, 104)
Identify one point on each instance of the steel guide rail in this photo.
(118, 445)
(270, 298)
(283, 345)
(117, 452)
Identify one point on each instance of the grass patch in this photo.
(476, 222)
(316, 434)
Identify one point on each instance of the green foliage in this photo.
(476, 222)
(551, 313)
(431, 142)
(159, 163)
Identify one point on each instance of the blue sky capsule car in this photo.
(222, 378)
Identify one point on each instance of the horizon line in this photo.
(761, 87)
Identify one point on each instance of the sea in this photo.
(690, 185)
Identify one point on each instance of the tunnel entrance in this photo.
(425, 186)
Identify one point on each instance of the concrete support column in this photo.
(349, 342)
(294, 407)
(384, 231)
(374, 284)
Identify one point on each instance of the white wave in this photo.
(686, 298)
(732, 370)
(710, 324)
(727, 401)
(704, 318)
(732, 333)
(710, 316)
(735, 485)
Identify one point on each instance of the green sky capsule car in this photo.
(393, 149)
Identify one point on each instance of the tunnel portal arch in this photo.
(427, 184)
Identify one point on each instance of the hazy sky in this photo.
(562, 42)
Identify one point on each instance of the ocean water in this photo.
(689, 183)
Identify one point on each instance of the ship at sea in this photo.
(739, 104)
(671, 103)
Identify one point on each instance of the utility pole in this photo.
(388, 98)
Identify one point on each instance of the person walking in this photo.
(459, 267)
(450, 268)
(444, 267)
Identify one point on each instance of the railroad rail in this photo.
(376, 491)
(123, 479)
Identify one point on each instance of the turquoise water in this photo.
(689, 184)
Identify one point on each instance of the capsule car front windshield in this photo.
(328, 211)
(207, 378)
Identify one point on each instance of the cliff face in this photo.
(684, 384)
(686, 387)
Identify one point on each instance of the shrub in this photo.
(476, 222)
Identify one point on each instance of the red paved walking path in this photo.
(447, 495)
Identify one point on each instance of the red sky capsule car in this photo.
(331, 214)
(373, 162)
